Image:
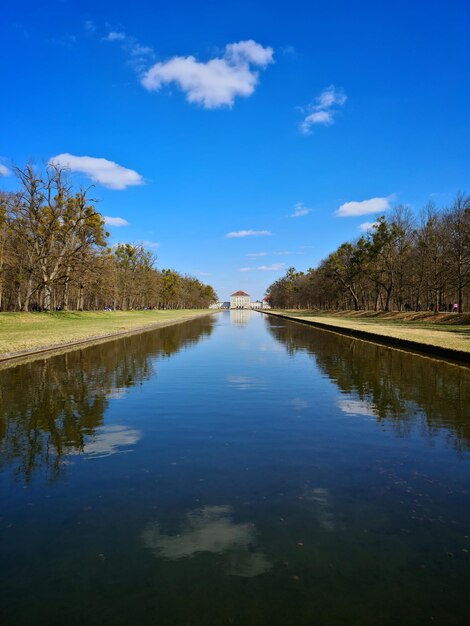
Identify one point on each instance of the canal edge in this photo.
(16, 357)
(456, 356)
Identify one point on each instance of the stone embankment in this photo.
(445, 335)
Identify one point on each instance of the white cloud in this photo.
(300, 210)
(137, 49)
(216, 82)
(89, 27)
(274, 267)
(115, 221)
(150, 244)
(366, 226)
(101, 171)
(364, 207)
(139, 56)
(329, 97)
(248, 52)
(115, 36)
(4, 171)
(318, 117)
(247, 233)
(324, 109)
(255, 255)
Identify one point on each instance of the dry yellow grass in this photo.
(441, 335)
(29, 332)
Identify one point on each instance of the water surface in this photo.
(235, 469)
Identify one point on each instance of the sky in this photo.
(236, 140)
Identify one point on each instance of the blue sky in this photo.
(331, 112)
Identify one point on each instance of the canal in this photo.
(235, 469)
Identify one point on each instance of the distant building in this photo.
(220, 305)
(240, 300)
(260, 304)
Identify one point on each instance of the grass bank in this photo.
(442, 334)
(27, 333)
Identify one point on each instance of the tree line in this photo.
(403, 263)
(54, 254)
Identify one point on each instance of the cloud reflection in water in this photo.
(356, 407)
(211, 529)
(117, 393)
(111, 440)
(245, 382)
(299, 404)
(319, 497)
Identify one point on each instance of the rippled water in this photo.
(236, 469)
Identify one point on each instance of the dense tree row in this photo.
(402, 263)
(54, 255)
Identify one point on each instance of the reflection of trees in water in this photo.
(51, 407)
(401, 388)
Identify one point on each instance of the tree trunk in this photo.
(65, 298)
(29, 293)
(47, 296)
